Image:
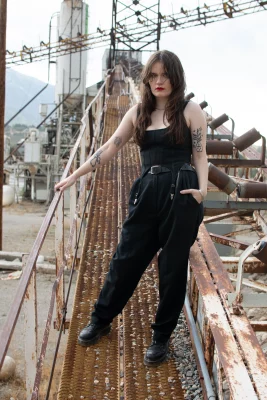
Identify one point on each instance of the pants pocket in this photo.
(188, 180)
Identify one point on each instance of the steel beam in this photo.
(237, 244)
(252, 265)
(236, 163)
(3, 15)
(259, 326)
(219, 206)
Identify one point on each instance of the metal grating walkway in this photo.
(113, 368)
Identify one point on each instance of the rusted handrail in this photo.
(15, 308)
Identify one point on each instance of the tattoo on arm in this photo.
(96, 158)
(117, 141)
(197, 136)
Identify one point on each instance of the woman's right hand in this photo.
(62, 185)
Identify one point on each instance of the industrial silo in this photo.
(71, 67)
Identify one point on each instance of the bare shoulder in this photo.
(132, 113)
(193, 108)
(194, 113)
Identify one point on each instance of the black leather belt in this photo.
(157, 169)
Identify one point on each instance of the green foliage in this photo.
(20, 127)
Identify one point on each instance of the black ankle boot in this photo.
(91, 333)
(156, 353)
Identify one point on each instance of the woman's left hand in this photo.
(195, 193)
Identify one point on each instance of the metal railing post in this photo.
(30, 329)
(73, 206)
(59, 249)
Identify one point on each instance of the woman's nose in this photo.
(160, 79)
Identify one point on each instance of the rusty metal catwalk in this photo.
(113, 368)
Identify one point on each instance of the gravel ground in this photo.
(185, 360)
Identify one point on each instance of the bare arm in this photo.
(198, 127)
(106, 152)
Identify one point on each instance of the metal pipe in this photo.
(189, 96)
(252, 190)
(215, 123)
(203, 104)
(37, 94)
(247, 139)
(41, 123)
(221, 179)
(200, 354)
(219, 147)
(3, 14)
(158, 25)
(29, 102)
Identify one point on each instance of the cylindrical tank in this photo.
(8, 195)
(71, 68)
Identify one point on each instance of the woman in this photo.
(165, 204)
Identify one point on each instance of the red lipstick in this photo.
(159, 88)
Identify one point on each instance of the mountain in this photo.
(20, 89)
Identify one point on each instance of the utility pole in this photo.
(3, 13)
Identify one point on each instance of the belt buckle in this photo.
(155, 169)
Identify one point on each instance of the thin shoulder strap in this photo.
(185, 103)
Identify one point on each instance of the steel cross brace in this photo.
(237, 299)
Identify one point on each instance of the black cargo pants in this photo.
(160, 218)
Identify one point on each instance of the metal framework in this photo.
(129, 13)
(134, 35)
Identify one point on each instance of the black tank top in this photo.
(159, 150)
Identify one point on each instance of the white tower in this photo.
(71, 68)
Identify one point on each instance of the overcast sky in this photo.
(225, 62)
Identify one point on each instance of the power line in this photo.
(132, 36)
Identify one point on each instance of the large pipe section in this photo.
(219, 147)
(203, 104)
(215, 123)
(247, 139)
(252, 190)
(221, 179)
(189, 96)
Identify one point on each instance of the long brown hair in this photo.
(175, 105)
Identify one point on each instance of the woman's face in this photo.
(159, 81)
